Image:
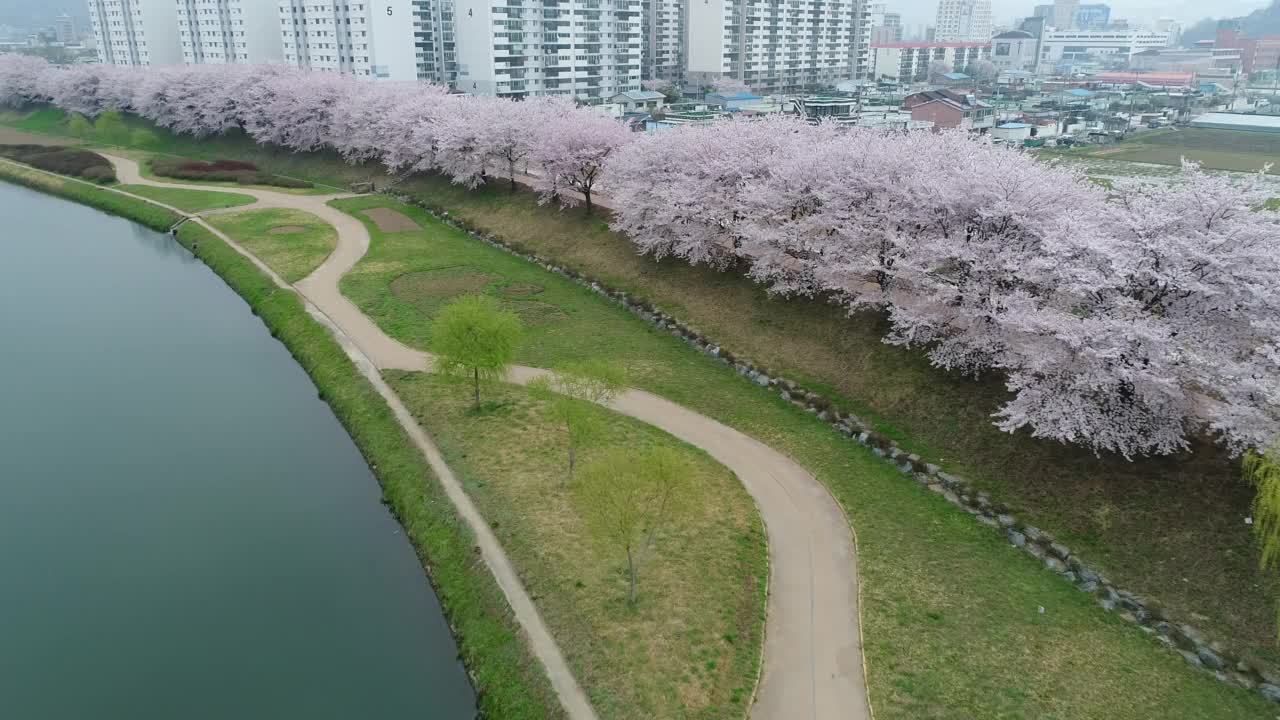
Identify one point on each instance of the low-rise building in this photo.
(1011, 132)
(639, 100)
(1015, 50)
(817, 108)
(947, 109)
(1065, 47)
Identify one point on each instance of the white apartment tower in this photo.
(217, 32)
(775, 47)
(359, 38)
(963, 21)
(136, 32)
(662, 40)
(585, 49)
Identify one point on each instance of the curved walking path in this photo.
(812, 666)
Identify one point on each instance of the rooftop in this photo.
(921, 45)
(1014, 35)
(1234, 121)
(639, 95)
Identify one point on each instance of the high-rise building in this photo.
(963, 21)
(886, 27)
(585, 49)
(217, 32)
(662, 40)
(350, 37)
(433, 39)
(1064, 14)
(136, 32)
(775, 47)
(1091, 17)
(64, 29)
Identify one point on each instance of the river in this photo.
(186, 531)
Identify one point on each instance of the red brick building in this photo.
(948, 109)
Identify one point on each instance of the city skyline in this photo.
(1187, 12)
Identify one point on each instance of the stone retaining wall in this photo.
(1208, 655)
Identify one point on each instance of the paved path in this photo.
(813, 666)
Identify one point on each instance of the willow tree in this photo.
(570, 395)
(1263, 470)
(474, 337)
(626, 496)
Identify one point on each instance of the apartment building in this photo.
(662, 31)
(434, 42)
(359, 38)
(136, 32)
(963, 21)
(586, 49)
(228, 31)
(1059, 47)
(777, 47)
(909, 62)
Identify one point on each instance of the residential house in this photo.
(949, 109)
(639, 100)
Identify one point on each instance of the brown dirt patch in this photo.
(534, 312)
(427, 290)
(286, 230)
(391, 221)
(520, 290)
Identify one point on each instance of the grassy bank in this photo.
(952, 627)
(291, 242)
(690, 646)
(509, 679)
(146, 214)
(192, 201)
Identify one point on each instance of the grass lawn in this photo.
(952, 626)
(1214, 149)
(291, 242)
(690, 647)
(192, 201)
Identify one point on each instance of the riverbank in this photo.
(508, 679)
(156, 218)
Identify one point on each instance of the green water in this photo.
(185, 529)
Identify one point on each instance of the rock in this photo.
(931, 468)
(987, 520)
(1107, 604)
(864, 437)
(1088, 586)
(1210, 658)
(715, 351)
(1005, 520)
(763, 380)
(1270, 692)
(1192, 634)
(1017, 538)
(1087, 575)
(784, 395)
(824, 416)
(1035, 551)
(983, 500)
(1127, 617)
(1033, 533)
(1060, 550)
(1070, 577)
(938, 488)
(951, 497)
(1054, 564)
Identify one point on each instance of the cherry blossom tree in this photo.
(571, 148)
(24, 79)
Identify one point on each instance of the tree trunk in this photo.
(572, 456)
(587, 194)
(631, 571)
(511, 173)
(476, 376)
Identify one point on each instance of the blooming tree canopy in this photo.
(1124, 320)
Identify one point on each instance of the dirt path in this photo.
(813, 665)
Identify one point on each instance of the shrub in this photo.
(64, 161)
(236, 171)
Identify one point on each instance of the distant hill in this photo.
(1259, 22)
(32, 14)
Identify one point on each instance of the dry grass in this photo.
(389, 220)
(688, 648)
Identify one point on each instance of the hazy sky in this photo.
(1186, 11)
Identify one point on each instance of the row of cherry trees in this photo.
(1124, 319)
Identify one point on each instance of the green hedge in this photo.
(509, 679)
